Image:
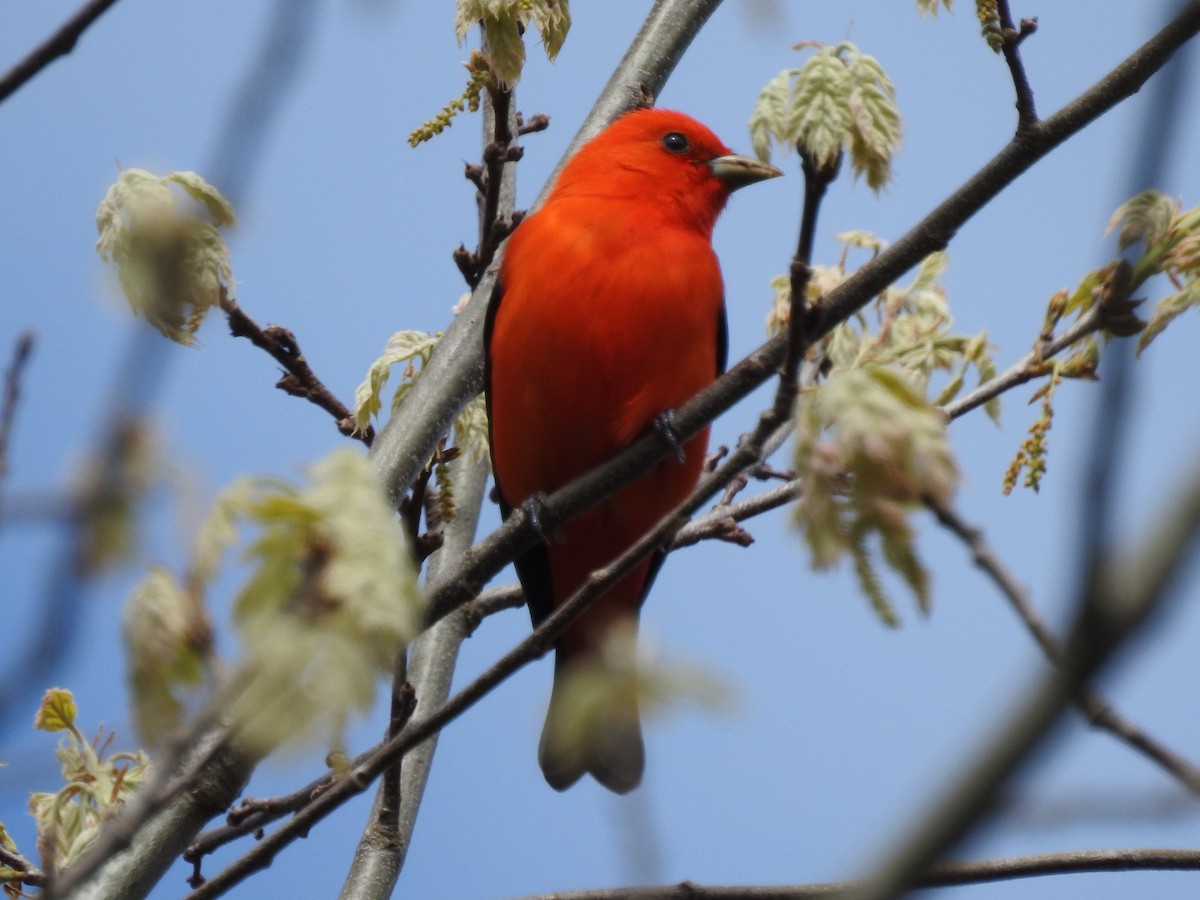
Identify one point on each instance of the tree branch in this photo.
(125, 864)
(60, 43)
(948, 874)
(300, 380)
(1010, 43)
(1094, 707)
(380, 857)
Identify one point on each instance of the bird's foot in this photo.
(535, 508)
(668, 429)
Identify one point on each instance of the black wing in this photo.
(533, 567)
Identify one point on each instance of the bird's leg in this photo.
(668, 429)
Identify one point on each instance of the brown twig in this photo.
(817, 179)
(1027, 367)
(60, 43)
(535, 123)
(249, 817)
(490, 602)
(386, 826)
(488, 179)
(716, 524)
(1010, 40)
(299, 380)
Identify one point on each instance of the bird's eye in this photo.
(676, 142)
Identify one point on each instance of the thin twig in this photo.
(1027, 367)
(300, 380)
(817, 179)
(60, 43)
(28, 873)
(1010, 42)
(404, 700)
(712, 524)
(248, 817)
(1097, 710)
(947, 874)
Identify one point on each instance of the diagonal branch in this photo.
(60, 43)
(300, 380)
(1096, 709)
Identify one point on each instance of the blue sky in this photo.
(842, 727)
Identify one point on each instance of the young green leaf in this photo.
(168, 640)
(504, 23)
(331, 599)
(931, 6)
(172, 264)
(96, 785)
(869, 452)
(840, 100)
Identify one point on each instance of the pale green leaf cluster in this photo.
(870, 451)
(168, 642)
(840, 100)
(97, 783)
(504, 23)
(107, 491)
(931, 6)
(172, 263)
(413, 348)
(329, 599)
(332, 597)
(908, 328)
(1170, 239)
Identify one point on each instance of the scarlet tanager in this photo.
(610, 312)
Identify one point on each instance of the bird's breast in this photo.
(604, 323)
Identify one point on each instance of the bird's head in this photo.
(665, 160)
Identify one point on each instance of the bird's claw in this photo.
(668, 429)
(535, 508)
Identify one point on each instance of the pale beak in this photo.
(739, 171)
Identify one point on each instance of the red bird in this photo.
(610, 313)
